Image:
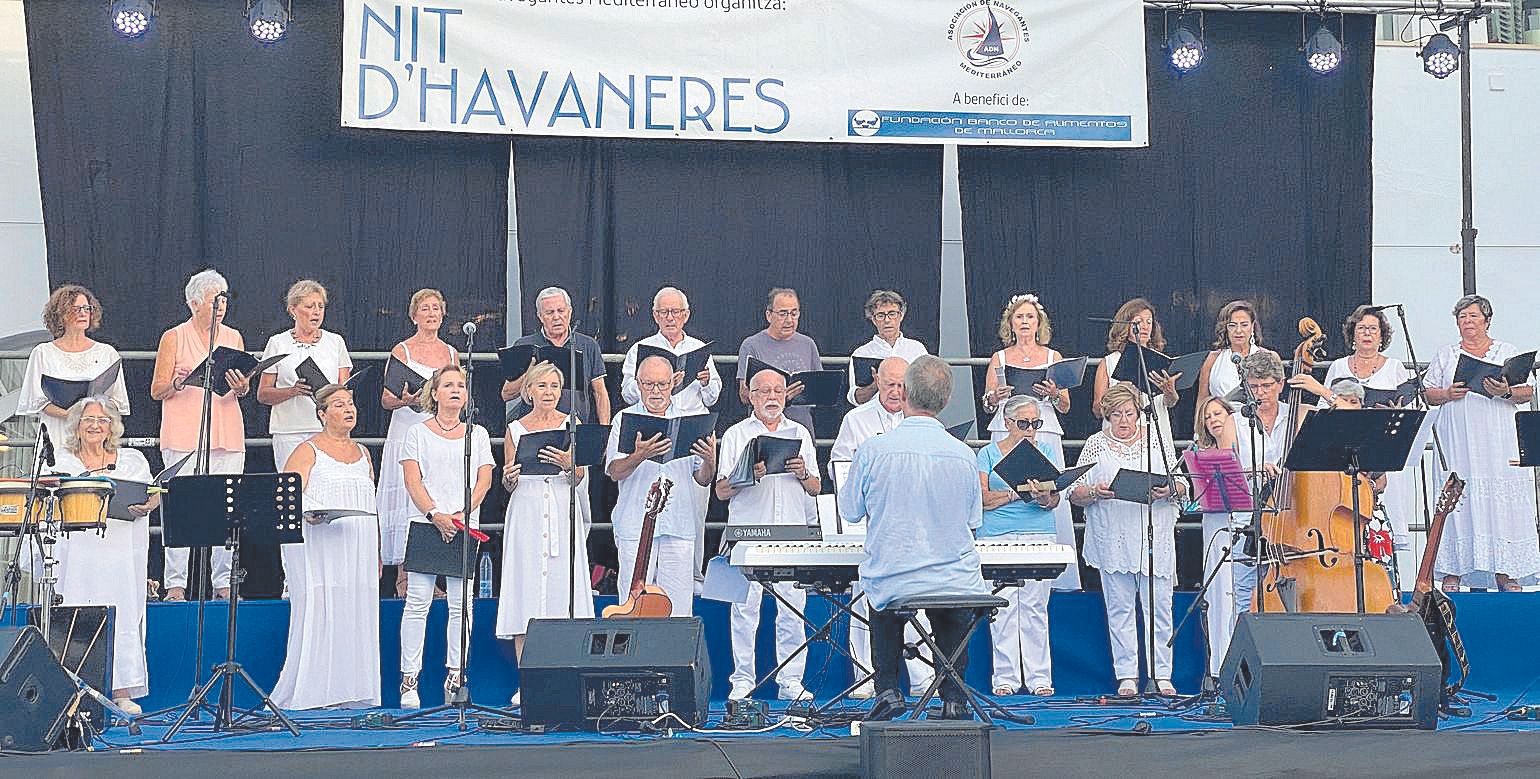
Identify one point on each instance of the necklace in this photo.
(449, 429)
(1364, 367)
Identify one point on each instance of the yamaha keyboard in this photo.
(834, 564)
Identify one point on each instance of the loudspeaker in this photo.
(35, 693)
(1332, 671)
(81, 637)
(929, 748)
(614, 673)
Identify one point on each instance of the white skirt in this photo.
(537, 535)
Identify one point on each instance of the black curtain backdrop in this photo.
(1256, 184)
(196, 146)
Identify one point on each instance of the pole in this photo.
(1467, 226)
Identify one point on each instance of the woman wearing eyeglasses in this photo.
(1237, 335)
(70, 314)
(1019, 632)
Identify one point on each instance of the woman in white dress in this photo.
(293, 419)
(1236, 334)
(109, 568)
(433, 467)
(423, 353)
(1115, 536)
(334, 614)
(1025, 331)
(1135, 322)
(70, 314)
(537, 529)
(1489, 539)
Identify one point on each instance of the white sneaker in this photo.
(409, 697)
(866, 690)
(793, 691)
(514, 702)
(740, 691)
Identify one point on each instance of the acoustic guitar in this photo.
(1432, 605)
(645, 600)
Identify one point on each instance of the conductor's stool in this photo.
(944, 611)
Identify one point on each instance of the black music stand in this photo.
(221, 510)
(1527, 424)
(1352, 441)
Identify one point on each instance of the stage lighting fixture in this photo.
(131, 18)
(1323, 52)
(1184, 49)
(267, 20)
(1440, 56)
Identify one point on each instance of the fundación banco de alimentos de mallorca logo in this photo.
(989, 36)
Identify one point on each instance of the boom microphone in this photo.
(469, 328)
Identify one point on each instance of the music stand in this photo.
(1527, 424)
(220, 510)
(1352, 441)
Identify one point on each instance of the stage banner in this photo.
(1021, 72)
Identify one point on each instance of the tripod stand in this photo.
(268, 505)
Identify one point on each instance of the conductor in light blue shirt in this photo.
(919, 488)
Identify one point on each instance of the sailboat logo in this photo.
(989, 36)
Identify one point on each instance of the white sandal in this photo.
(1128, 688)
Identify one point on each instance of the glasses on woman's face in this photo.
(103, 421)
(86, 309)
(1243, 324)
(1028, 424)
(1125, 415)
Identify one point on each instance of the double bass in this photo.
(1308, 539)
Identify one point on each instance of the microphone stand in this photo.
(1422, 397)
(35, 532)
(1258, 441)
(1153, 423)
(572, 480)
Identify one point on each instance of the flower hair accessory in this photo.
(1029, 297)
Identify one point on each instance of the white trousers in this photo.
(789, 634)
(175, 573)
(670, 569)
(1019, 632)
(920, 672)
(1122, 591)
(1222, 611)
(414, 621)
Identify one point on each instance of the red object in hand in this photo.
(476, 534)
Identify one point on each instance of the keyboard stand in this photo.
(821, 633)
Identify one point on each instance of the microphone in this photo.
(107, 467)
(469, 328)
(1377, 309)
(44, 446)
(1109, 321)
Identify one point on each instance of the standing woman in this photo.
(1236, 334)
(1215, 429)
(433, 467)
(538, 527)
(334, 590)
(1025, 332)
(1115, 536)
(109, 568)
(1490, 536)
(70, 313)
(294, 419)
(183, 348)
(423, 353)
(1135, 322)
(1020, 633)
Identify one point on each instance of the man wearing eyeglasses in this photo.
(885, 309)
(671, 310)
(780, 345)
(671, 565)
(772, 499)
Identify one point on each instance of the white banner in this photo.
(1027, 72)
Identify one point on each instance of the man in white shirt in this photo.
(885, 309)
(1260, 439)
(867, 421)
(671, 565)
(773, 499)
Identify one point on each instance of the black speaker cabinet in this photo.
(35, 693)
(81, 637)
(1332, 671)
(935, 749)
(614, 673)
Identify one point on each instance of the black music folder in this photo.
(1025, 463)
(1402, 395)
(1135, 486)
(1129, 368)
(516, 360)
(402, 379)
(961, 430)
(1189, 366)
(819, 387)
(771, 450)
(690, 363)
(864, 369)
(527, 454)
(428, 552)
(227, 359)
(310, 373)
(65, 393)
(592, 441)
(1067, 374)
(1471, 371)
(129, 492)
(683, 432)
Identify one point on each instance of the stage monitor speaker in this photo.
(945, 749)
(35, 693)
(81, 637)
(617, 673)
(1332, 671)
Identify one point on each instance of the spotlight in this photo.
(1323, 52)
(267, 20)
(131, 18)
(1184, 49)
(1440, 56)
